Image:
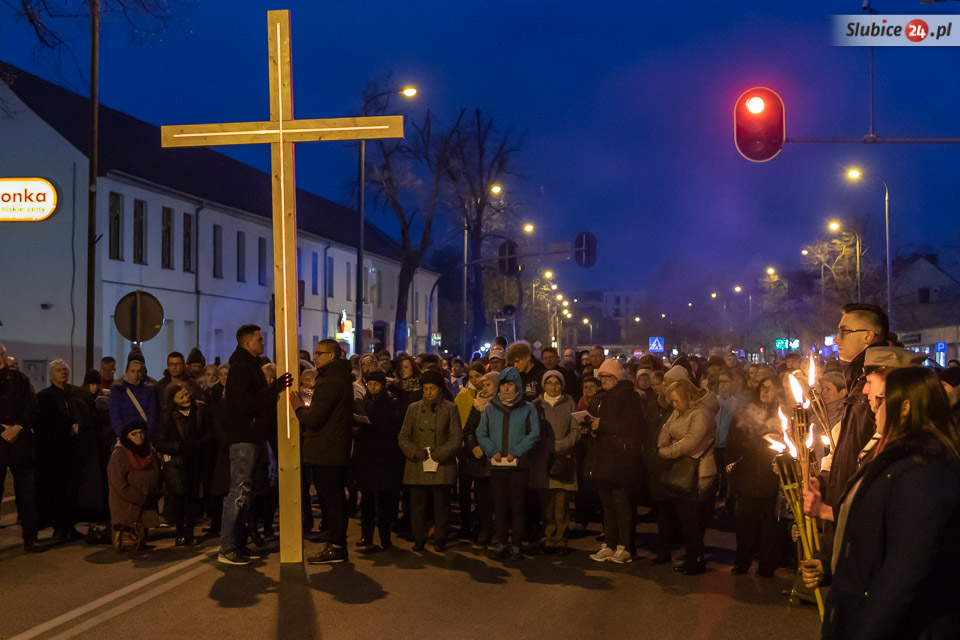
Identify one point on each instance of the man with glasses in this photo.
(327, 427)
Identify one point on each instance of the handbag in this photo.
(128, 538)
(680, 478)
(562, 468)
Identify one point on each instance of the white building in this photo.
(190, 226)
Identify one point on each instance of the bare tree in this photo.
(481, 158)
(409, 180)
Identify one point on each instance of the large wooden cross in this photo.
(281, 132)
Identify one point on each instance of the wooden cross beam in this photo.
(281, 132)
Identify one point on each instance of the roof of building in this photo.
(131, 146)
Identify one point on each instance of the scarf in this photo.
(410, 384)
(516, 399)
(141, 456)
(552, 400)
(481, 401)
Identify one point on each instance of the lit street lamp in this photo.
(587, 322)
(856, 174)
(408, 92)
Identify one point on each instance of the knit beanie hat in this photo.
(675, 373)
(92, 377)
(375, 376)
(553, 374)
(497, 352)
(196, 357)
(612, 366)
(643, 372)
(432, 377)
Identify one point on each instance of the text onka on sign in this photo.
(26, 199)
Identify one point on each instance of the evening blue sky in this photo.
(625, 109)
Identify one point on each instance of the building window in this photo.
(166, 238)
(329, 276)
(116, 226)
(924, 296)
(217, 251)
(349, 283)
(139, 232)
(262, 261)
(188, 242)
(241, 256)
(379, 290)
(314, 272)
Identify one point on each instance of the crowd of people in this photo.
(532, 448)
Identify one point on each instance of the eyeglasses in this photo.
(842, 332)
(606, 376)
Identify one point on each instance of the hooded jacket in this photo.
(123, 411)
(328, 421)
(513, 429)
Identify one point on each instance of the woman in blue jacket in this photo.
(508, 430)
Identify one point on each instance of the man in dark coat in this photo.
(56, 431)
(327, 431)
(551, 362)
(18, 411)
(248, 400)
(861, 326)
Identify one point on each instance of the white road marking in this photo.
(110, 597)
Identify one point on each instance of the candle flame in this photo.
(796, 389)
(785, 427)
(812, 378)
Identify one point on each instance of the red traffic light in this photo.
(759, 126)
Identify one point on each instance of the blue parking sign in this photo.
(941, 347)
(656, 345)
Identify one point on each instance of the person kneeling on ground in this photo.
(134, 477)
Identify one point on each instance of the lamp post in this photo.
(587, 322)
(408, 92)
(856, 174)
(835, 226)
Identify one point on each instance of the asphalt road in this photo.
(169, 592)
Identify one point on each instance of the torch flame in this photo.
(796, 389)
(785, 427)
(825, 440)
(806, 404)
(809, 442)
(779, 447)
(812, 378)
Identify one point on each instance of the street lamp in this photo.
(548, 274)
(804, 252)
(771, 271)
(737, 289)
(407, 92)
(559, 297)
(856, 174)
(835, 226)
(496, 189)
(587, 322)
(553, 287)
(636, 319)
(528, 228)
(714, 295)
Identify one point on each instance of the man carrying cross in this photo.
(281, 132)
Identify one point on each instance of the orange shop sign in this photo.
(26, 199)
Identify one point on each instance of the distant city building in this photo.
(191, 226)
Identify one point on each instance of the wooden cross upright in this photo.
(281, 132)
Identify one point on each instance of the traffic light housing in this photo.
(507, 262)
(585, 249)
(759, 127)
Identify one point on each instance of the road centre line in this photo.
(130, 604)
(110, 597)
